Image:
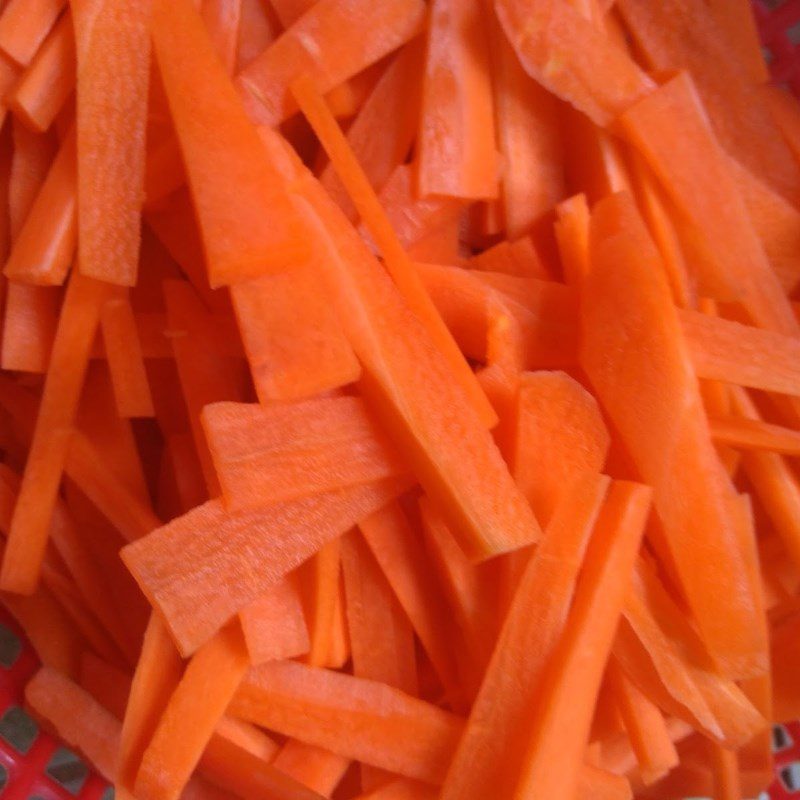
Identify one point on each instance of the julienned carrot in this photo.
(400, 555)
(294, 342)
(381, 636)
(319, 769)
(28, 535)
(125, 358)
(572, 58)
(273, 625)
(223, 18)
(169, 563)
(29, 325)
(572, 234)
(456, 140)
(725, 350)
(560, 433)
(320, 580)
(754, 434)
(77, 718)
(271, 455)
(24, 25)
(157, 675)
(220, 141)
(32, 157)
(489, 756)
(398, 263)
(630, 319)
(44, 87)
(354, 717)
(393, 109)
(519, 257)
(305, 48)
(258, 28)
(43, 250)
(695, 166)
(188, 721)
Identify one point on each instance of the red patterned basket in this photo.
(36, 766)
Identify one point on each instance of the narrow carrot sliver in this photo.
(24, 25)
(755, 434)
(314, 767)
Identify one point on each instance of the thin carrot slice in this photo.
(294, 342)
(28, 534)
(314, 767)
(311, 45)
(727, 782)
(273, 455)
(456, 141)
(273, 625)
(565, 53)
(43, 250)
(169, 563)
(694, 166)
(29, 326)
(222, 18)
(560, 433)
(217, 140)
(397, 261)
(630, 294)
(500, 716)
(79, 720)
(24, 25)
(44, 87)
(755, 434)
(320, 578)
(354, 717)
(186, 725)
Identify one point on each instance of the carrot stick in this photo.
(456, 140)
(258, 28)
(29, 326)
(44, 87)
(112, 46)
(727, 785)
(365, 720)
(499, 720)
(572, 233)
(755, 434)
(265, 83)
(272, 455)
(217, 140)
(108, 684)
(273, 625)
(222, 19)
(43, 250)
(186, 726)
(628, 286)
(24, 25)
(397, 261)
(314, 767)
(49, 448)
(31, 159)
(77, 718)
(156, 677)
(168, 564)
(560, 727)
(320, 579)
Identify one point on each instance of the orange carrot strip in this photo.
(24, 24)
(785, 656)
(489, 756)
(725, 767)
(49, 448)
(602, 785)
(29, 326)
(113, 49)
(320, 579)
(737, 21)
(402, 789)
(397, 261)
(392, 108)
(314, 767)
(572, 233)
(169, 563)
(755, 434)
(630, 319)
(560, 727)
(258, 28)
(273, 455)
(44, 87)
(354, 717)
(78, 719)
(456, 141)
(44, 248)
(294, 342)
(560, 433)
(186, 725)
(9, 75)
(403, 562)
(381, 635)
(156, 677)
(217, 140)
(728, 351)
(645, 725)
(289, 11)
(274, 626)
(311, 46)
(512, 258)
(125, 358)
(569, 56)
(734, 262)
(107, 684)
(222, 18)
